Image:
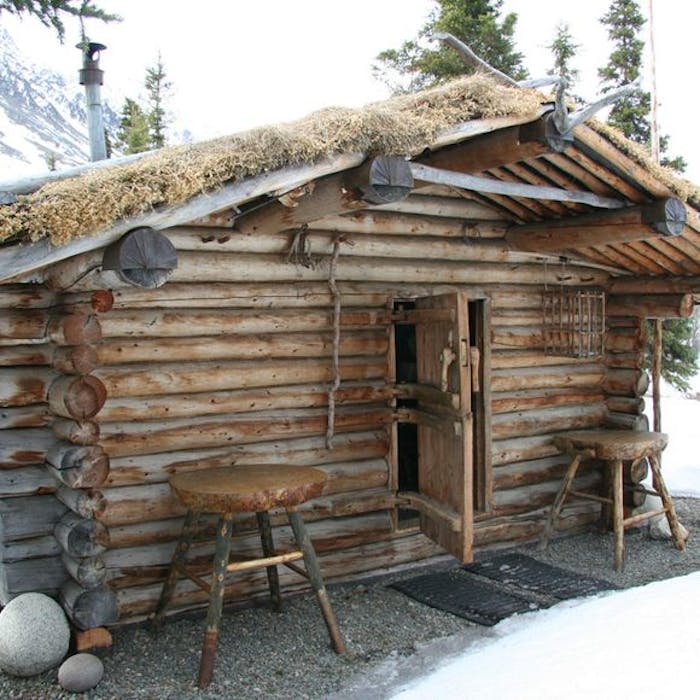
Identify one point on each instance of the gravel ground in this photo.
(287, 655)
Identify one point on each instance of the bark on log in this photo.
(88, 572)
(306, 451)
(209, 376)
(24, 446)
(26, 481)
(244, 347)
(29, 516)
(74, 329)
(550, 420)
(81, 537)
(77, 397)
(652, 306)
(239, 401)
(87, 503)
(119, 440)
(24, 386)
(78, 467)
(89, 608)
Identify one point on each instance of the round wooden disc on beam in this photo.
(143, 257)
(389, 180)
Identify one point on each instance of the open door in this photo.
(440, 407)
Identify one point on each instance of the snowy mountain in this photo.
(42, 115)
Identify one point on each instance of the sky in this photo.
(236, 65)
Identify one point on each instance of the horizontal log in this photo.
(548, 420)
(78, 432)
(202, 266)
(78, 466)
(152, 380)
(32, 354)
(89, 608)
(625, 360)
(248, 295)
(24, 386)
(521, 449)
(555, 376)
(626, 404)
(87, 503)
(77, 397)
(652, 306)
(88, 572)
(41, 575)
(29, 516)
(240, 401)
(26, 481)
(140, 600)
(511, 337)
(27, 324)
(665, 217)
(528, 358)
(529, 399)
(81, 537)
(25, 296)
(74, 329)
(654, 285)
(627, 421)
(243, 347)
(304, 451)
(624, 340)
(31, 548)
(374, 245)
(24, 446)
(390, 223)
(534, 471)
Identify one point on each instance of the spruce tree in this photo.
(416, 64)
(631, 115)
(133, 133)
(52, 12)
(157, 89)
(563, 51)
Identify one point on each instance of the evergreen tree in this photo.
(631, 115)
(52, 12)
(475, 22)
(157, 88)
(563, 51)
(133, 133)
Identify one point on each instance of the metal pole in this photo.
(655, 147)
(91, 77)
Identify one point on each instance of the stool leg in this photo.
(618, 515)
(189, 528)
(216, 598)
(559, 501)
(268, 547)
(304, 543)
(660, 486)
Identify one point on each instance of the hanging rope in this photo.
(299, 252)
(335, 293)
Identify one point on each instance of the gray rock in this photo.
(34, 635)
(80, 672)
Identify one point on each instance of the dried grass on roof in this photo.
(403, 125)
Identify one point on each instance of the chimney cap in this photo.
(90, 48)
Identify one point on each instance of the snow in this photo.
(640, 642)
(583, 649)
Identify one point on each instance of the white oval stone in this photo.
(80, 672)
(34, 635)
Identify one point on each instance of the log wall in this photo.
(230, 362)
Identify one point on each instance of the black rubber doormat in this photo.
(457, 592)
(490, 591)
(528, 574)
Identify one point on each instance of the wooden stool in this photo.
(614, 447)
(256, 489)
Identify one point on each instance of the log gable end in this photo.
(107, 389)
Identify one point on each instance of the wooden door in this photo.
(443, 415)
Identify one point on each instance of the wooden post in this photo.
(656, 372)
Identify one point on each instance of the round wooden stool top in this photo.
(613, 444)
(250, 488)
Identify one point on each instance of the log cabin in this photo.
(414, 297)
